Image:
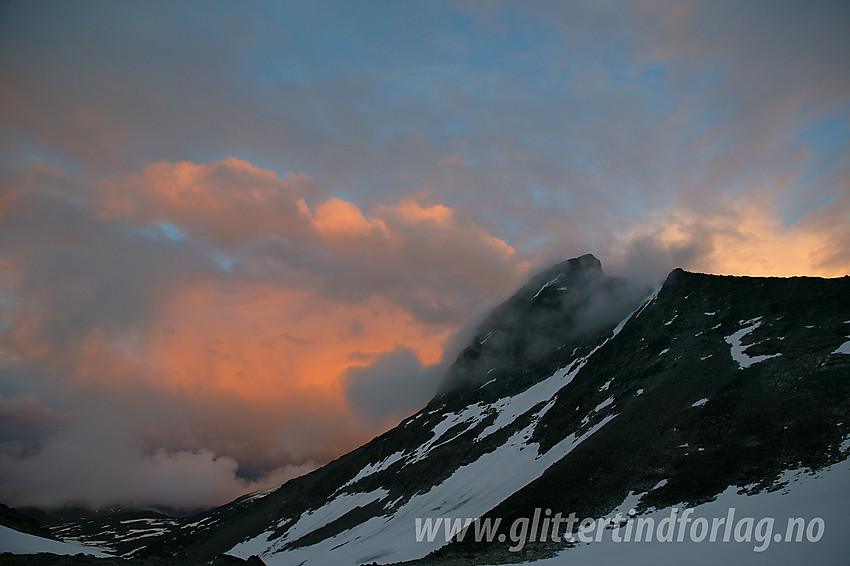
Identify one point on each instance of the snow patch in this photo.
(647, 301)
(311, 520)
(844, 348)
(737, 347)
(604, 404)
(545, 285)
(471, 415)
(370, 469)
(508, 409)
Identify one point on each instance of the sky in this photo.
(239, 239)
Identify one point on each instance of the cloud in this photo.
(26, 411)
(169, 366)
(91, 464)
(743, 235)
(227, 202)
(393, 386)
(425, 257)
(68, 274)
(772, 53)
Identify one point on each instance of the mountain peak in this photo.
(555, 313)
(584, 262)
(587, 261)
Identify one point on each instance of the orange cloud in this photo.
(438, 214)
(342, 224)
(233, 202)
(229, 202)
(271, 345)
(746, 235)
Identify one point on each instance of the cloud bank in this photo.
(203, 321)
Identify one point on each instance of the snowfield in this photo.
(825, 495)
(22, 543)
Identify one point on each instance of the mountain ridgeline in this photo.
(576, 392)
